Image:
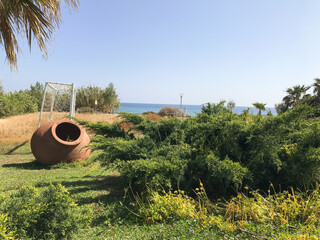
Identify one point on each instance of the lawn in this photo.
(92, 186)
(117, 212)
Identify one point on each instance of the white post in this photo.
(181, 95)
(44, 95)
(73, 101)
(52, 104)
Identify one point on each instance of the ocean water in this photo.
(192, 110)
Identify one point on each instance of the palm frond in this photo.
(31, 18)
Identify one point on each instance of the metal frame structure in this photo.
(56, 88)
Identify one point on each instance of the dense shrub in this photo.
(17, 103)
(157, 173)
(107, 98)
(5, 233)
(47, 214)
(36, 91)
(222, 149)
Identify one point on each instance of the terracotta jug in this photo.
(60, 141)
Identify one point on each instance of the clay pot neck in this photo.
(66, 133)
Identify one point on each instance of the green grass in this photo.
(92, 186)
(100, 189)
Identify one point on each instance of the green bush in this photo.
(5, 233)
(156, 173)
(107, 130)
(36, 91)
(111, 149)
(107, 98)
(222, 149)
(47, 214)
(217, 175)
(17, 103)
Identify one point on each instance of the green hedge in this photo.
(31, 213)
(224, 150)
(17, 103)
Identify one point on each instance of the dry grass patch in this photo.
(20, 128)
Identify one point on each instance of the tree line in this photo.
(297, 95)
(88, 99)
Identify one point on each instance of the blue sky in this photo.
(152, 50)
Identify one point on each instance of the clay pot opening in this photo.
(68, 132)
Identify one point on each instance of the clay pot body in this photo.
(60, 141)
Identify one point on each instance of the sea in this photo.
(192, 110)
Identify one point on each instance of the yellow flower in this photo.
(201, 184)
(246, 188)
(197, 189)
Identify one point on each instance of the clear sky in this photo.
(152, 50)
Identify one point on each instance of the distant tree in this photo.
(231, 105)
(37, 92)
(111, 97)
(107, 99)
(214, 108)
(316, 87)
(260, 107)
(295, 96)
(16, 103)
(281, 107)
(1, 88)
(30, 19)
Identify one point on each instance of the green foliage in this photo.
(297, 95)
(117, 148)
(107, 130)
(36, 91)
(212, 108)
(167, 206)
(222, 149)
(17, 103)
(5, 233)
(48, 214)
(1, 88)
(107, 98)
(260, 107)
(156, 173)
(218, 175)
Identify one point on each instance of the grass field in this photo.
(89, 185)
(100, 189)
(92, 186)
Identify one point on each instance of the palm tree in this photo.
(316, 89)
(260, 106)
(295, 94)
(30, 18)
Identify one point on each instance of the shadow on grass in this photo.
(16, 148)
(110, 185)
(105, 192)
(34, 165)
